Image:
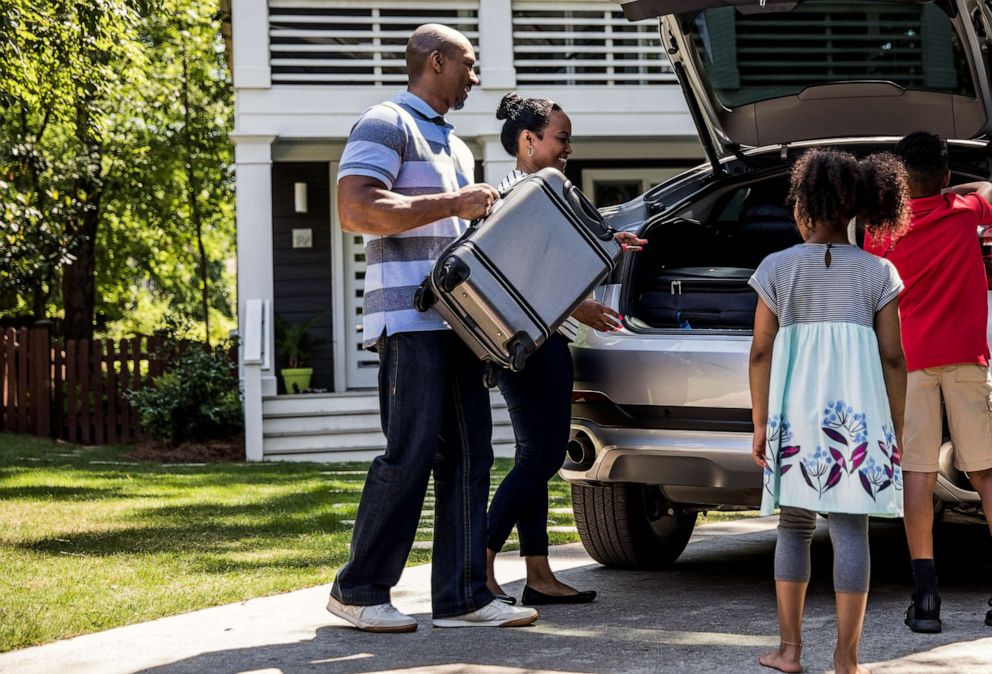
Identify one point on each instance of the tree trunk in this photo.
(79, 277)
(78, 280)
(194, 203)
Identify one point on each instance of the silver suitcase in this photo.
(513, 278)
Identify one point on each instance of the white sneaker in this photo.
(377, 618)
(493, 614)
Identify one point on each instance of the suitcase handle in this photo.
(587, 212)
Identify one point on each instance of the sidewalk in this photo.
(714, 612)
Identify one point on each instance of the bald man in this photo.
(405, 183)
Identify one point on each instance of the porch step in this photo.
(315, 422)
(274, 443)
(344, 427)
(334, 404)
(501, 450)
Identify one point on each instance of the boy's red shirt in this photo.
(944, 306)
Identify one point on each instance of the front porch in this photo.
(333, 427)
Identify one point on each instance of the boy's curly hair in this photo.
(828, 187)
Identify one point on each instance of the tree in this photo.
(61, 64)
(181, 166)
(115, 168)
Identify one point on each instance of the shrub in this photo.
(198, 397)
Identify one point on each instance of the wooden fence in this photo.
(75, 390)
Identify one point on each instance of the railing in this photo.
(354, 43)
(256, 357)
(590, 43)
(584, 42)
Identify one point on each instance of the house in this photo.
(303, 72)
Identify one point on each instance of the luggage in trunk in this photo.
(511, 280)
(699, 297)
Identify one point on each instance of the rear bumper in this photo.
(702, 467)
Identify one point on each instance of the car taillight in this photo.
(986, 239)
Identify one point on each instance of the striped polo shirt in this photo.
(411, 149)
(799, 287)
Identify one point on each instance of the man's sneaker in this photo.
(988, 614)
(493, 614)
(376, 618)
(923, 614)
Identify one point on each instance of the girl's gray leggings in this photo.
(849, 535)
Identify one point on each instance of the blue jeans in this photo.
(436, 416)
(539, 399)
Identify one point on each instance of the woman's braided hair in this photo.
(523, 114)
(828, 188)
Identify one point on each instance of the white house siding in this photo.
(302, 76)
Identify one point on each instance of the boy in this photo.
(944, 310)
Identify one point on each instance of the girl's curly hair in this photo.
(828, 187)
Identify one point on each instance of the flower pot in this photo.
(297, 379)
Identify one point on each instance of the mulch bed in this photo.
(212, 451)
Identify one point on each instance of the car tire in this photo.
(629, 525)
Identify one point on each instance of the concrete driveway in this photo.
(713, 612)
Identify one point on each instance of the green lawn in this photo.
(91, 540)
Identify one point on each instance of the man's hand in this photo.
(475, 201)
(597, 316)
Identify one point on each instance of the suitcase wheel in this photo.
(453, 273)
(490, 375)
(518, 357)
(423, 299)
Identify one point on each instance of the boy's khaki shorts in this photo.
(967, 393)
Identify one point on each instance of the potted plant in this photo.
(293, 341)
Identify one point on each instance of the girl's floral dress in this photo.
(831, 445)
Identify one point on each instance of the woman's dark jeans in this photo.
(436, 417)
(539, 398)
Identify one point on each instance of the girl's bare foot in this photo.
(785, 658)
(840, 668)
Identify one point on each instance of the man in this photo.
(944, 313)
(405, 183)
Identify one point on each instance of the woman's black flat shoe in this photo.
(506, 599)
(532, 597)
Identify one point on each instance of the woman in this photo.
(539, 133)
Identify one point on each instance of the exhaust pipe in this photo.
(580, 453)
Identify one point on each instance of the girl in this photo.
(539, 134)
(828, 387)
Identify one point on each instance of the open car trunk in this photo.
(694, 275)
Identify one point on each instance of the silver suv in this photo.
(661, 425)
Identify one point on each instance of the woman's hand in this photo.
(629, 242)
(597, 316)
(758, 446)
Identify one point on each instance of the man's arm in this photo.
(365, 206)
(982, 188)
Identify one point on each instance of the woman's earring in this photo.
(530, 150)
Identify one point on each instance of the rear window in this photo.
(755, 56)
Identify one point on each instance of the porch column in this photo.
(496, 69)
(250, 38)
(496, 163)
(253, 192)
